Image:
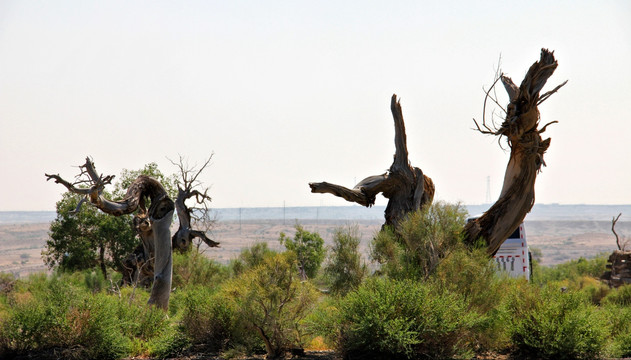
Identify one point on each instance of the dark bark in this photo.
(523, 134)
(406, 187)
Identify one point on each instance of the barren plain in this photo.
(21, 244)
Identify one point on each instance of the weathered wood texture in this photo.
(406, 187)
(522, 132)
(619, 269)
(152, 225)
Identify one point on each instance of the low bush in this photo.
(620, 296)
(387, 318)
(470, 273)
(51, 314)
(550, 324)
(208, 319)
(619, 318)
(193, 268)
(571, 271)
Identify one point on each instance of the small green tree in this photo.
(87, 239)
(345, 269)
(271, 300)
(309, 250)
(250, 258)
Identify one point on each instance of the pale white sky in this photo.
(288, 92)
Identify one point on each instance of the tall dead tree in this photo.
(523, 134)
(406, 187)
(152, 225)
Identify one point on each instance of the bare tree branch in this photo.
(192, 216)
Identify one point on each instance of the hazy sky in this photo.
(288, 92)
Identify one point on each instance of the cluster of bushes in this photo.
(430, 297)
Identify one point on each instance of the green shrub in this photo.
(420, 241)
(50, 313)
(571, 271)
(619, 318)
(344, 268)
(170, 342)
(37, 315)
(620, 296)
(193, 268)
(551, 324)
(136, 318)
(387, 318)
(270, 300)
(208, 319)
(97, 329)
(250, 258)
(471, 273)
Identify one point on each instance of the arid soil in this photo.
(21, 245)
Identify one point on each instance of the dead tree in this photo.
(152, 224)
(406, 187)
(521, 130)
(621, 246)
(200, 214)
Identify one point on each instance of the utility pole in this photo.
(488, 190)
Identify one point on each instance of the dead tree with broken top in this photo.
(405, 186)
(522, 132)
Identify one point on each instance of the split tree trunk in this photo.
(152, 225)
(521, 129)
(406, 187)
(183, 237)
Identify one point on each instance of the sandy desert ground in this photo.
(21, 245)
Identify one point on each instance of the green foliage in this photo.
(77, 240)
(620, 296)
(550, 324)
(388, 318)
(170, 342)
(209, 319)
(420, 241)
(127, 177)
(250, 258)
(46, 314)
(271, 300)
(471, 273)
(620, 320)
(344, 268)
(192, 267)
(571, 271)
(309, 249)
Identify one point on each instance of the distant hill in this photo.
(539, 212)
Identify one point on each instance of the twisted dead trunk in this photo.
(152, 225)
(521, 129)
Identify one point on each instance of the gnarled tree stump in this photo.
(406, 187)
